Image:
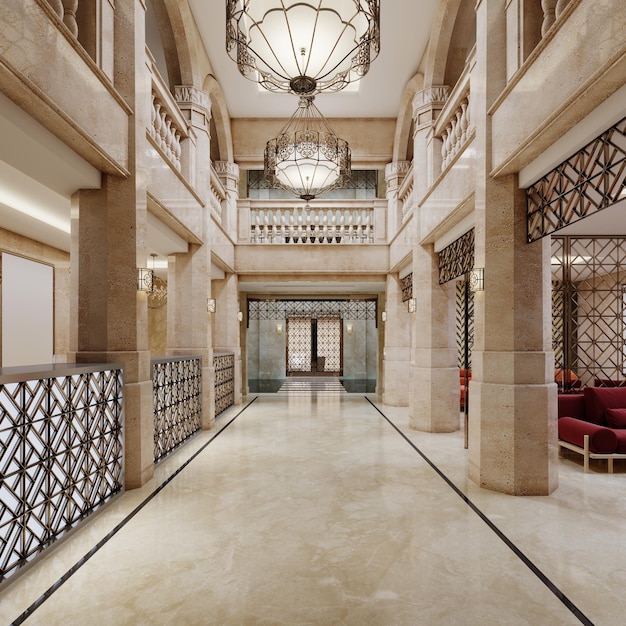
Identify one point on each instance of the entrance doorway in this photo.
(314, 346)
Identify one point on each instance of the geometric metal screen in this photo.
(61, 457)
(457, 258)
(281, 309)
(587, 182)
(406, 283)
(464, 324)
(224, 365)
(299, 349)
(329, 343)
(177, 391)
(589, 275)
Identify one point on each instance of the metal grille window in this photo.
(363, 185)
(224, 365)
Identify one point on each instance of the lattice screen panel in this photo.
(589, 181)
(177, 389)
(329, 343)
(224, 365)
(591, 295)
(457, 259)
(406, 284)
(61, 450)
(461, 312)
(299, 349)
(281, 309)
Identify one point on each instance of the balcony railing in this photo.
(217, 195)
(406, 197)
(350, 224)
(454, 125)
(66, 10)
(224, 365)
(61, 453)
(167, 127)
(177, 389)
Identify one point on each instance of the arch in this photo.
(220, 118)
(403, 138)
(448, 14)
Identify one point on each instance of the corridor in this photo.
(318, 509)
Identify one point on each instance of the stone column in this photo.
(226, 324)
(189, 275)
(109, 228)
(395, 174)
(189, 323)
(229, 175)
(397, 345)
(512, 420)
(434, 374)
(427, 105)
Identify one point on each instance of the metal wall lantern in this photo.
(307, 158)
(477, 279)
(295, 46)
(412, 305)
(211, 305)
(145, 279)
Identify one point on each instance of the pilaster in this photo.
(434, 375)
(397, 350)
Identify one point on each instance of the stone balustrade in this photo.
(167, 127)
(217, 195)
(66, 10)
(454, 125)
(552, 11)
(406, 195)
(311, 224)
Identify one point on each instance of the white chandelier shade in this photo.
(303, 47)
(307, 158)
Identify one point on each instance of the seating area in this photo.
(593, 423)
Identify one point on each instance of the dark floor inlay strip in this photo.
(517, 551)
(70, 572)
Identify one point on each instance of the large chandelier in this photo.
(307, 158)
(303, 47)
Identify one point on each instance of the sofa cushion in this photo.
(601, 440)
(621, 440)
(571, 405)
(615, 418)
(598, 399)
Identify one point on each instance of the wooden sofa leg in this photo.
(586, 454)
(610, 461)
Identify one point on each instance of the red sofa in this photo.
(593, 423)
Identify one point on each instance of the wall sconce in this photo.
(383, 316)
(279, 328)
(145, 279)
(349, 328)
(477, 279)
(240, 316)
(412, 305)
(211, 305)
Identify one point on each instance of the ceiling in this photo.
(405, 28)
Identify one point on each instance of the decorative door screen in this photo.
(329, 342)
(299, 352)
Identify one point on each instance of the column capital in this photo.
(190, 95)
(228, 173)
(428, 102)
(397, 168)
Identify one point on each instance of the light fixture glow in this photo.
(145, 279)
(307, 158)
(240, 316)
(21, 204)
(412, 305)
(211, 306)
(303, 47)
(349, 328)
(477, 279)
(279, 328)
(383, 316)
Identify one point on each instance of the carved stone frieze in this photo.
(397, 168)
(436, 95)
(187, 94)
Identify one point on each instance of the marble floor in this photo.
(328, 509)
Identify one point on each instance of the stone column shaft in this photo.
(512, 421)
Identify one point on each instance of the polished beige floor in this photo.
(313, 509)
